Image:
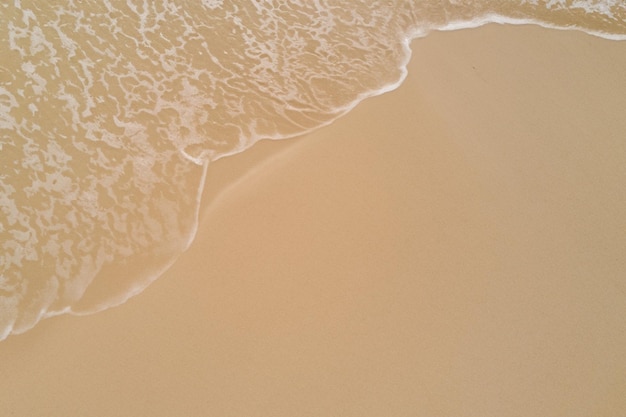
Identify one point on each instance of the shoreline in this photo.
(451, 245)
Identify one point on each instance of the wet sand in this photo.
(453, 248)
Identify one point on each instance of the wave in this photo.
(110, 115)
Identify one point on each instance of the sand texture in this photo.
(453, 248)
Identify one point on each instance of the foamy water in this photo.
(111, 112)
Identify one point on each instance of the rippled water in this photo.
(110, 113)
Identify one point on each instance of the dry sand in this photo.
(453, 248)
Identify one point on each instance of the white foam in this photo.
(505, 20)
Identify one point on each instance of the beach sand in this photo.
(453, 248)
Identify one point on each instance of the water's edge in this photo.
(190, 167)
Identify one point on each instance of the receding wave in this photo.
(111, 112)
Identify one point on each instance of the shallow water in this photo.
(110, 114)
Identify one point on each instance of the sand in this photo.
(453, 248)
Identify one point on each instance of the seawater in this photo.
(111, 112)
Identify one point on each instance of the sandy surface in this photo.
(453, 248)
